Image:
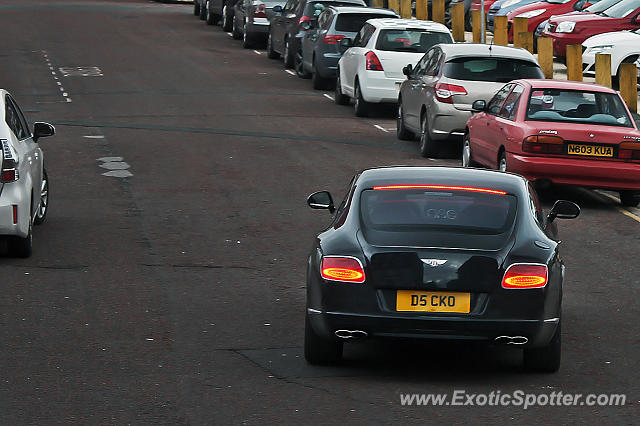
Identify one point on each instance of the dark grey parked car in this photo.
(212, 11)
(320, 47)
(291, 21)
(251, 20)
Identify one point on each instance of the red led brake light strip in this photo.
(455, 188)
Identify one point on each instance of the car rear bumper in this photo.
(448, 122)
(376, 88)
(537, 332)
(10, 195)
(581, 172)
(327, 64)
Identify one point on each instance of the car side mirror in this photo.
(563, 209)
(277, 9)
(345, 43)
(321, 200)
(407, 70)
(479, 105)
(42, 130)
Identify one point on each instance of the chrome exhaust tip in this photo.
(351, 334)
(511, 340)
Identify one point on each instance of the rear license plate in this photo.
(590, 150)
(432, 301)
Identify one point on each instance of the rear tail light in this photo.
(525, 275)
(445, 92)
(629, 151)
(345, 269)
(543, 145)
(260, 11)
(332, 39)
(373, 63)
(9, 171)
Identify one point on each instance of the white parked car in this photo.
(623, 46)
(24, 186)
(370, 71)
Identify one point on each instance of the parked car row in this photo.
(491, 102)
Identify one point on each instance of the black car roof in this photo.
(446, 176)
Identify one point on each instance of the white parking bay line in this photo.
(257, 52)
(379, 127)
(290, 72)
(328, 96)
(230, 34)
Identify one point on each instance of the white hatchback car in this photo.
(370, 71)
(24, 186)
(623, 46)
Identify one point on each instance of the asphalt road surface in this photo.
(176, 294)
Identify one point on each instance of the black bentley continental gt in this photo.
(437, 253)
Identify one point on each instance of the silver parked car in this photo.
(24, 186)
(251, 21)
(435, 100)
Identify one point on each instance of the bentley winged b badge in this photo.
(434, 262)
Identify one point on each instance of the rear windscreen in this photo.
(437, 218)
(410, 40)
(501, 70)
(353, 22)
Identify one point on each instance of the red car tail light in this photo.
(345, 269)
(444, 92)
(332, 39)
(373, 63)
(9, 171)
(543, 144)
(260, 11)
(629, 151)
(525, 275)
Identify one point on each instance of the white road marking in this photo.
(58, 83)
(109, 159)
(118, 173)
(81, 72)
(380, 128)
(257, 52)
(65, 94)
(61, 88)
(290, 72)
(230, 34)
(68, 99)
(97, 137)
(328, 96)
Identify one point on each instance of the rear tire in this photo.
(338, 96)
(196, 8)
(467, 156)
(203, 12)
(211, 18)
(319, 83)
(401, 130)
(235, 33)
(247, 40)
(360, 106)
(271, 54)
(227, 19)
(502, 162)
(318, 350)
(298, 65)
(429, 148)
(546, 359)
(630, 198)
(41, 214)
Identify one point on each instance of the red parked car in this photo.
(574, 29)
(540, 11)
(558, 131)
(475, 5)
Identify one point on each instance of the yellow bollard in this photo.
(476, 16)
(603, 69)
(457, 21)
(521, 40)
(422, 10)
(545, 56)
(629, 85)
(437, 11)
(378, 3)
(405, 9)
(574, 62)
(520, 25)
(394, 5)
(500, 34)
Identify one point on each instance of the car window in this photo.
(510, 106)
(15, 119)
(353, 22)
(324, 20)
(422, 63)
(410, 40)
(496, 103)
(433, 67)
(370, 29)
(577, 106)
(501, 70)
(289, 6)
(622, 9)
